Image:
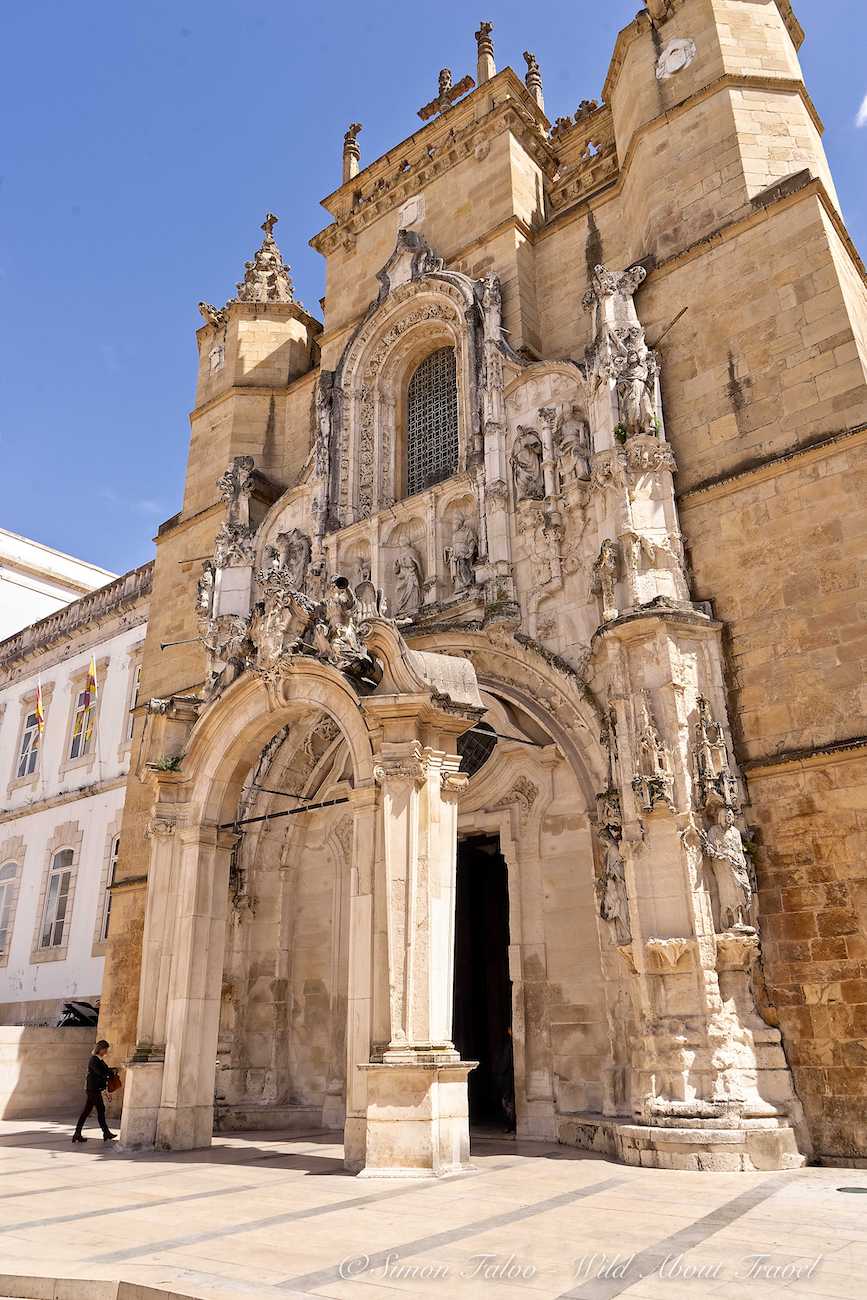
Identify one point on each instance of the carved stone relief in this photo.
(653, 783)
(462, 554)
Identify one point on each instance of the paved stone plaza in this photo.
(277, 1214)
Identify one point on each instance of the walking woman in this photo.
(98, 1075)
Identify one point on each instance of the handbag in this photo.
(114, 1083)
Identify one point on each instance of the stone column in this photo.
(416, 1110)
(351, 152)
(485, 66)
(362, 959)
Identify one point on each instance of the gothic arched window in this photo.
(432, 422)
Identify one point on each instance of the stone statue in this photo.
(289, 555)
(605, 573)
(492, 302)
(280, 623)
(724, 845)
(322, 445)
(573, 444)
(205, 590)
(336, 636)
(462, 554)
(527, 465)
(613, 902)
(635, 370)
(408, 585)
(362, 569)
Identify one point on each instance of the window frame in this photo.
(57, 873)
(8, 899)
(76, 685)
(68, 836)
(27, 709)
(404, 442)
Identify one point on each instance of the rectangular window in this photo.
(82, 726)
(106, 905)
(28, 756)
(133, 700)
(56, 900)
(7, 885)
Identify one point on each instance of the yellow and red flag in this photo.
(90, 690)
(39, 709)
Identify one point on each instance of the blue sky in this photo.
(145, 142)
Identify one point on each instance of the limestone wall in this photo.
(42, 1071)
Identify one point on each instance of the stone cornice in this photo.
(835, 751)
(92, 609)
(406, 169)
(236, 310)
(89, 791)
(765, 467)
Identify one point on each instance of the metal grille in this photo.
(476, 747)
(432, 422)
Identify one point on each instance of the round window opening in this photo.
(476, 747)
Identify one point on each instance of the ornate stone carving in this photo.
(234, 487)
(336, 635)
(351, 151)
(713, 777)
(724, 845)
(676, 55)
(461, 556)
(533, 78)
(491, 299)
(606, 570)
(205, 590)
(635, 369)
(216, 316)
(653, 784)
(447, 95)
(226, 640)
(649, 455)
(523, 794)
(526, 459)
(282, 622)
(266, 278)
(324, 405)
(613, 900)
(289, 555)
(409, 584)
(572, 440)
(234, 546)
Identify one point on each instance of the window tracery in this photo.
(432, 448)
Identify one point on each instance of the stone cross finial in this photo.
(351, 152)
(266, 278)
(533, 79)
(447, 94)
(485, 66)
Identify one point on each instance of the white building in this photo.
(36, 580)
(62, 791)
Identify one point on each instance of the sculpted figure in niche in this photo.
(635, 369)
(573, 442)
(492, 302)
(205, 590)
(408, 585)
(362, 570)
(605, 573)
(724, 845)
(324, 395)
(290, 556)
(235, 486)
(462, 554)
(527, 465)
(613, 903)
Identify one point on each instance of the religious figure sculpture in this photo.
(606, 569)
(408, 585)
(226, 641)
(527, 465)
(362, 569)
(713, 776)
(336, 636)
(462, 554)
(573, 443)
(492, 304)
(724, 845)
(205, 590)
(613, 901)
(289, 555)
(322, 446)
(635, 368)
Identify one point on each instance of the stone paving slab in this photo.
(275, 1215)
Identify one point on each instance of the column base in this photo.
(753, 1145)
(417, 1122)
(142, 1090)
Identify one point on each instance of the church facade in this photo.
(504, 761)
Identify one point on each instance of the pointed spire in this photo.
(485, 66)
(267, 278)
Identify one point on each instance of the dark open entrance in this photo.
(483, 989)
